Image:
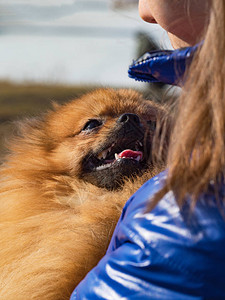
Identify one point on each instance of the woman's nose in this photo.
(145, 12)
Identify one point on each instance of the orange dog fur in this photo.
(55, 222)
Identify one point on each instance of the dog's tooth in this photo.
(116, 156)
(138, 158)
(140, 144)
(104, 154)
(102, 167)
(100, 155)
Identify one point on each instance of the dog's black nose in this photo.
(132, 118)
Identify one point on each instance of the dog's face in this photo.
(102, 137)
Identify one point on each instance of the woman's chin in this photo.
(177, 42)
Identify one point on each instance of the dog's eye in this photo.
(91, 124)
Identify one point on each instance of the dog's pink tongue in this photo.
(130, 154)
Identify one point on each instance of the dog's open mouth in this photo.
(123, 157)
(114, 155)
(111, 155)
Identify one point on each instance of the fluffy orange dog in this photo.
(63, 186)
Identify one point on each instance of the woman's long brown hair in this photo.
(196, 152)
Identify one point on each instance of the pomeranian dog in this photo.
(63, 185)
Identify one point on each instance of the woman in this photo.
(170, 240)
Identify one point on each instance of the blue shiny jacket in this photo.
(166, 66)
(167, 253)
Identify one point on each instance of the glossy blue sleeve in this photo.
(165, 66)
(133, 273)
(165, 254)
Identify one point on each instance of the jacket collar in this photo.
(165, 66)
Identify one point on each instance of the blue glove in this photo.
(165, 66)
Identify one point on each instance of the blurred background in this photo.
(59, 49)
